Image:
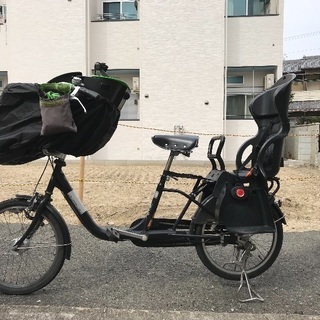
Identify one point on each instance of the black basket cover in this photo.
(20, 126)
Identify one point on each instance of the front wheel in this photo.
(39, 259)
(221, 256)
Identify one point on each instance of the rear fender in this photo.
(203, 215)
(280, 215)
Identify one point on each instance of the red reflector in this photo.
(240, 193)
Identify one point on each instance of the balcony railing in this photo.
(115, 16)
(3, 19)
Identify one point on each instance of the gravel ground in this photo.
(122, 276)
(120, 194)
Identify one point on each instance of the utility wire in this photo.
(303, 35)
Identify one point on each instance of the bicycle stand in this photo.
(253, 295)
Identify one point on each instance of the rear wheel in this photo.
(222, 255)
(41, 256)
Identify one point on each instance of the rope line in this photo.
(96, 181)
(212, 134)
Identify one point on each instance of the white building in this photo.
(191, 69)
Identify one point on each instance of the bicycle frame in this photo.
(142, 230)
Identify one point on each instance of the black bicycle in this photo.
(236, 229)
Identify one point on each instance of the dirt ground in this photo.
(119, 194)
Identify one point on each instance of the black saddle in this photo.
(176, 143)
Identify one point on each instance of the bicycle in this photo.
(236, 229)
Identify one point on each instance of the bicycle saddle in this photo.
(179, 143)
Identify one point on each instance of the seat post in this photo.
(170, 160)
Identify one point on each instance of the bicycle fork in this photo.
(36, 219)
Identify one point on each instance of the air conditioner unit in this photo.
(268, 81)
(135, 84)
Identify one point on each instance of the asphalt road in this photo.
(121, 281)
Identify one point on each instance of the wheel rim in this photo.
(30, 265)
(226, 257)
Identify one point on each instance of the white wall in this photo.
(177, 45)
(238, 131)
(255, 41)
(116, 43)
(252, 41)
(179, 50)
(45, 38)
(4, 57)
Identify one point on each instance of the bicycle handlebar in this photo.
(89, 93)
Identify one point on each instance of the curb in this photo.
(77, 313)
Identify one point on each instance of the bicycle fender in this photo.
(279, 212)
(65, 230)
(55, 213)
(201, 215)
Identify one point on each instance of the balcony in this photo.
(3, 19)
(249, 8)
(115, 16)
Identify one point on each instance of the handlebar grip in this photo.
(90, 93)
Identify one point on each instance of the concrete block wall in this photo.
(302, 144)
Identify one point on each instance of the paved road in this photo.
(120, 281)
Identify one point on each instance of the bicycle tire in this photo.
(220, 258)
(38, 260)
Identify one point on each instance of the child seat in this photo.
(246, 206)
(240, 201)
(270, 112)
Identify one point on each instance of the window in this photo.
(2, 10)
(119, 10)
(247, 7)
(130, 110)
(235, 80)
(238, 106)
(2, 14)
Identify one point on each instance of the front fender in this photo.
(57, 216)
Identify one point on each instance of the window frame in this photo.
(246, 112)
(120, 15)
(247, 13)
(235, 83)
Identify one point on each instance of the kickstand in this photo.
(253, 295)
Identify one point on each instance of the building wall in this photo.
(252, 41)
(4, 57)
(306, 95)
(238, 131)
(181, 62)
(116, 43)
(178, 47)
(45, 38)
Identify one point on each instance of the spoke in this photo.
(44, 246)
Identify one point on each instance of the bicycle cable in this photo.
(41, 176)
